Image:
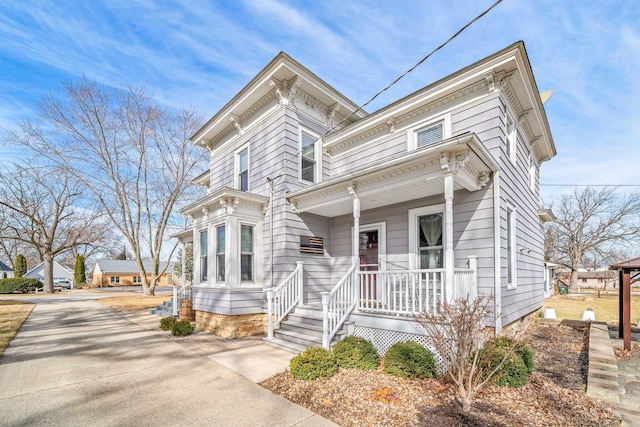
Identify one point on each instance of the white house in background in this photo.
(5, 271)
(312, 202)
(59, 272)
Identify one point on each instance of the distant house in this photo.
(591, 279)
(111, 272)
(59, 272)
(5, 271)
(361, 219)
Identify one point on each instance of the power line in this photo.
(456, 34)
(449, 40)
(589, 185)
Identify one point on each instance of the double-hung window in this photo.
(310, 157)
(246, 253)
(203, 255)
(220, 253)
(430, 241)
(242, 169)
(137, 279)
(115, 280)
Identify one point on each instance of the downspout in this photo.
(497, 270)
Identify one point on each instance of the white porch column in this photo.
(448, 235)
(356, 224)
(183, 277)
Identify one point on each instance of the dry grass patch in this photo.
(12, 316)
(606, 307)
(134, 302)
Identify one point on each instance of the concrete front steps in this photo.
(301, 329)
(163, 310)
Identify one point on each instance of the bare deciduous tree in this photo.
(458, 331)
(41, 210)
(590, 221)
(134, 157)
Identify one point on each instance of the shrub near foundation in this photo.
(166, 323)
(356, 352)
(410, 360)
(313, 363)
(182, 328)
(517, 366)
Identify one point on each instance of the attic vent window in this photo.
(430, 135)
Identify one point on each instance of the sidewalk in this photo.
(77, 363)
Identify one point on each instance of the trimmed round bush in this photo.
(182, 328)
(356, 352)
(410, 360)
(516, 368)
(166, 323)
(313, 363)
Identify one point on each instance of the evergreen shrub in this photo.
(166, 323)
(410, 360)
(518, 365)
(356, 352)
(182, 328)
(313, 363)
(19, 285)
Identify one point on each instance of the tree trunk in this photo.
(573, 283)
(48, 273)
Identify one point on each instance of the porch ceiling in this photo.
(410, 176)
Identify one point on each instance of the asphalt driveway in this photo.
(76, 362)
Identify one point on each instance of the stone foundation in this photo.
(520, 325)
(231, 327)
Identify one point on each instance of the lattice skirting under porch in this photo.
(382, 339)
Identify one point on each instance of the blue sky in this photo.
(201, 53)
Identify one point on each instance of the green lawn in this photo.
(605, 307)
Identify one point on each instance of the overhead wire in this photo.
(389, 86)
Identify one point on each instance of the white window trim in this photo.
(200, 255)
(413, 231)
(257, 252)
(317, 173)
(214, 250)
(381, 227)
(512, 258)
(412, 132)
(511, 138)
(236, 167)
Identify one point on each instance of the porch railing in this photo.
(179, 294)
(338, 304)
(406, 292)
(283, 298)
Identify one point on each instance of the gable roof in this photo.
(37, 272)
(126, 266)
(5, 267)
(508, 70)
(281, 76)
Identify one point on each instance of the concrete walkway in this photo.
(76, 362)
(602, 380)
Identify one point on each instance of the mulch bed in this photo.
(554, 395)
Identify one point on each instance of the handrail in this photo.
(179, 294)
(337, 305)
(283, 298)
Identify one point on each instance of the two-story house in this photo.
(317, 211)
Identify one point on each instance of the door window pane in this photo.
(430, 241)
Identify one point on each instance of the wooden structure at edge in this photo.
(629, 272)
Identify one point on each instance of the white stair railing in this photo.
(283, 298)
(338, 304)
(179, 294)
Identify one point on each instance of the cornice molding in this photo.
(393, 123)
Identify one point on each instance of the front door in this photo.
(372, 254)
